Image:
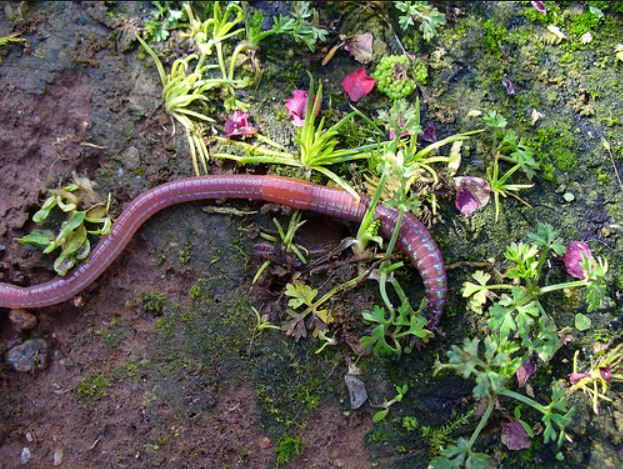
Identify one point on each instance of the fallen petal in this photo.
(429, 134)
(238, 125)
(514, 436)
(358, 84)
(297, 107)
(359, 47)
(539, 6)
(472, 193)
(508, 86)
(574, 255)
(525, 371)
(606, 373)
(574, 378)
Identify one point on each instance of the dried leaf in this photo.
(535, 116)
(360, 47)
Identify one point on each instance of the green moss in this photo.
(92, 388)
(152, 302)
(555, 149)
(495, 34)
(288, 447)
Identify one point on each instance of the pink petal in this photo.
(429, 134)
(357, 84)
(297, 107)
(472, 193)
(238, 125)
(576, 377)
(525, 371)
(539, 6)
(514, 436)
(573, 257)
(606, 373)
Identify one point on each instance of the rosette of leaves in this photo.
(389, 329)
(73, 237)
(392, 77)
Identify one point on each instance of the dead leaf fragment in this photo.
(535, 116)
(587, 38)
(619, 52)
(360, 47)
(555, 35)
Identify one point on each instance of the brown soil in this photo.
(43, 138)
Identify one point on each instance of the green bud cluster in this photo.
(391, 75)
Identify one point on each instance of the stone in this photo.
(356, 391)
(22, 320)
(29, 356)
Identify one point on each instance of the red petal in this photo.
(357, 84)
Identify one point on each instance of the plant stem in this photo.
(481, 424)
(561, 286)
(525, 400)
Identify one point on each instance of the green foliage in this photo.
(407, 323)
(286, 239)
(409, 423)
(441, 437)
(317, 146)
(164, 20)
(519, 330)
(507, 149)
(73, 236)
(381, 414)
(459, 455)
(429, 17)
(392, 76)
(288, 447)
(92, 388)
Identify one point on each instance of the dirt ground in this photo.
(160, 366)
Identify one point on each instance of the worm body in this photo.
(414, 239)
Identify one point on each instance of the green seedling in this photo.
(73, 236)
(286, 239)
(385, 406)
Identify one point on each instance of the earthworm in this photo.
(414, 239)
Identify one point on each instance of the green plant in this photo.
(395, 326)
(93, 388)
(519, 330)
(297, 26)
(316, 146)
(409, 423)
(402, 163)
(73, 236)
(288, 448)
(392, 76)
(508, 149)
(286, 239)
(386, 405)
(604, 370)
(440, 437)
(429, 17)
(164, 20)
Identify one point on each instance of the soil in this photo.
(159, 363)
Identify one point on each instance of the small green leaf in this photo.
(582, 322)
(39, 239)
(380, 415)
